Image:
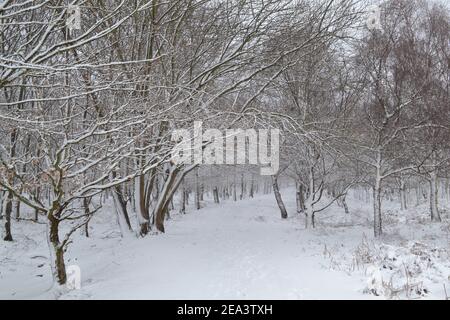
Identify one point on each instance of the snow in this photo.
(238, 250)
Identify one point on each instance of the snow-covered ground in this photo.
(243, 250)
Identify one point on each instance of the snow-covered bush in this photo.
(403, 272)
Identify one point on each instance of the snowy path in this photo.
(239, 250)
(235, 250)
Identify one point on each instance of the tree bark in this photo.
(403, 200)
(310, 201)
(162, 206)
(278, 198)
(216, 195)
(87, 212)
(241, 196)
(121, 210)
(197, 190)
(377, 218)
(344, 203)
(8, 211)
(309, 211)
(56, 249)
(16, 206)
(434, 197)
(183, 198)
(143, 214)
(36, 211)
(310, 219)
(300, 197)
(377, 227)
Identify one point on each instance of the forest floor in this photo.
(243, 250)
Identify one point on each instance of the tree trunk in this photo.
(183, 198)
(142, 213)
(162, 205)
(121, 210)
(403, 200)
(310, 201)
(197, 191)
(252, 188)
(7, 212)
(310, 219)
(377, 218)
(202, 191)
(300, 197)
(377, 227)
(277, 193)
(344, 203)
(297, 197)
(241, 196)
(16, 206)
(417, 187)
(309, 210)
(56, 250)
(9, 198)
(87, 212)
(216, 195)
(36, 212)
(2, 202)
(434, 197)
